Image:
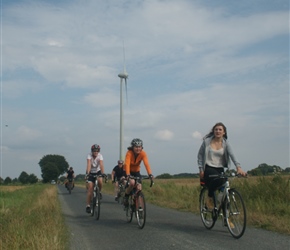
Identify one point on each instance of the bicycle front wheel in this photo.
(235, 214)
(205, 213)
(97, 207)
(129, 210)
(140, 210)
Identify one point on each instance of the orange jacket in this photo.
(133, 165)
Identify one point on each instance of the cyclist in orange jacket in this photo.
(134, 156)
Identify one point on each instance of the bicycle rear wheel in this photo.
(97, 207)
(205, 214)
(129, 210)
(235, 214)
(140, 210)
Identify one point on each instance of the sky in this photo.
(191, 64)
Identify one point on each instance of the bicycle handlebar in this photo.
(138, 178)
(223, 175)
(99, 175)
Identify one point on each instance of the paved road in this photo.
(164, 229)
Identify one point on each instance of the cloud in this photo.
(197, 135)
(164, 135)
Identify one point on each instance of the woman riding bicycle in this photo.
(95, 166)
(134, 156)
(117, 175)
(214, 155)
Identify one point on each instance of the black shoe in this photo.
(116, 198)
(88, 209)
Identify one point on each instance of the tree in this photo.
(49, 172)
(7, 181)
(23, 177)
(15, 180)
(58, 164)
(32, 178)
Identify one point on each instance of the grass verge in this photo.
(31, 218)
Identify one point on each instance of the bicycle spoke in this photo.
(205, 214)
(129, 211)
(235, 214)
(140, 210)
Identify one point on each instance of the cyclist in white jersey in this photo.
(95, 165)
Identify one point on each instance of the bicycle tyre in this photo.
(129, 210)
(97, 206)
(206, 215)
(140, 210)
(236, 216)
(93, 205)
(69, 188)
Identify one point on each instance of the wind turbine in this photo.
(123, 76)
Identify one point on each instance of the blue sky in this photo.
(190, 64)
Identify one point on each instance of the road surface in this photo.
(164, 229)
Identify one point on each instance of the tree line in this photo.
(54, 166)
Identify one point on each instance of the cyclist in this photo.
(117, 175)
(214, 155)
(70, 175)
(95, 165)
(134, 156)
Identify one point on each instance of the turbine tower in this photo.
(123, 76)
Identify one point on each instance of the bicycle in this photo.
(137, 204)
(121, 191)
(69, 185)
(229, 205)
(96, 199)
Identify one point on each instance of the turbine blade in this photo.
(124, 57)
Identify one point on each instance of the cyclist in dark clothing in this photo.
(70, 174)
(117, 174)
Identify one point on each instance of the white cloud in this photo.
(197, 135)
(165, 135)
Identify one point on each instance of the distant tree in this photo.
(23, 177)
(1, 181)
(57, 162)
(49, 172)
(32, 178)
(80, 177)
(15, 180)
(265, 169)
(164, 176)
(287, 170)
(7, 180)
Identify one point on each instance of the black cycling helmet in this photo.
(96, 147)
(137, 142)
(120, 162)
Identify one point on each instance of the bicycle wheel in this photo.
(93, 204)
(69, 187)
(205, 214)
(235, 214)
(140, 210)
(97, 206)
(129, 210)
